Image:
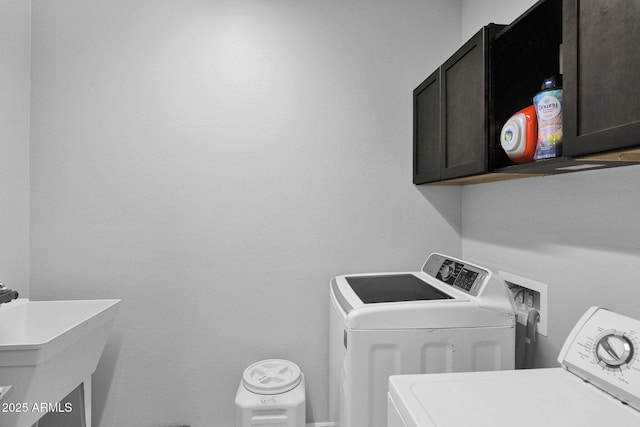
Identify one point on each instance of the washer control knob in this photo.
(446, 271)
(614, 350)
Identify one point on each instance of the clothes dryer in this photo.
(598, 384)
(450, 316)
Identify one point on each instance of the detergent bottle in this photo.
(548, 105)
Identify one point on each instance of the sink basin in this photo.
(48, 348)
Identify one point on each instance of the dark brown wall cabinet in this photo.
(459, 110)
(602, 75)
(451, 114)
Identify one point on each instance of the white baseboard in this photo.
(321, 425)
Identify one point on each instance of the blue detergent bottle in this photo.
(548, 105)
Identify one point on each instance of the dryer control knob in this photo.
(614, 350)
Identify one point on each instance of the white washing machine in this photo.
(449, 316)
(598, 384)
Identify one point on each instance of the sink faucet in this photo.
(5, 391)
(7, 294)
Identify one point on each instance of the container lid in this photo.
(552, 82)
(511, 138)
(271, 376)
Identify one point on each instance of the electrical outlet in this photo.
(528, 295)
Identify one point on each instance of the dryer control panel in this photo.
(603, 349)
(462, 276)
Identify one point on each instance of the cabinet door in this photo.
(464, 106)
(426, 130)
(601, 75)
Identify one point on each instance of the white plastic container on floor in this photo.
(271, 394)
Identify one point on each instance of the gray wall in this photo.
(14, 144)
(476, 13)
(577, 233)
(213, 164)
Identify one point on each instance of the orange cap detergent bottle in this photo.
(519, 135)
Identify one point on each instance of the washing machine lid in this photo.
(271, 376)
(394, 288)
(528, 398)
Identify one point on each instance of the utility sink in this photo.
(47, 349)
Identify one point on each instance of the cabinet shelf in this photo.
(563, 165)
(557, 166)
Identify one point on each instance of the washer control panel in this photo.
(603, 349)
(462, 276)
